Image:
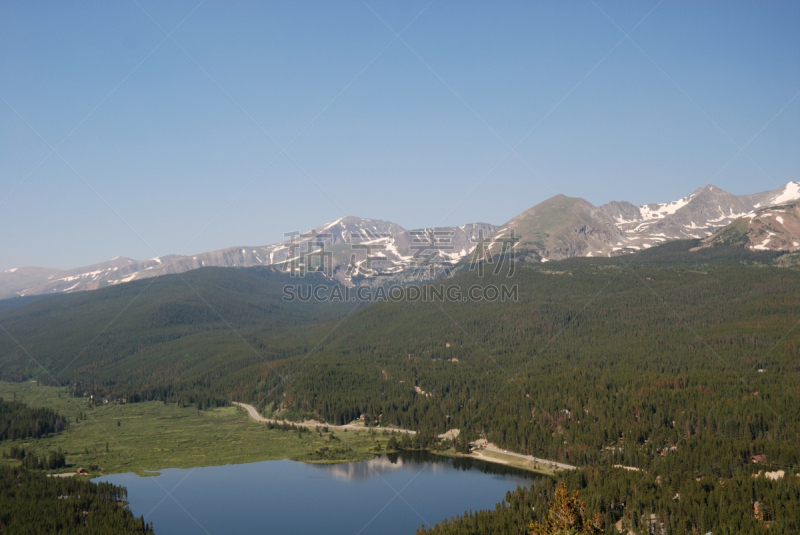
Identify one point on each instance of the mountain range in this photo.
(349, 250)
(565, 227)
(354, 250)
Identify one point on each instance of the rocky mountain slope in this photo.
(350, 250)
(564, 227)
(776, 228)
(560, 227)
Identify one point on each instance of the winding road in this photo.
(312, 424)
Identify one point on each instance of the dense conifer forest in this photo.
(31, 503)
(646, 503)
(20, 421)
(596, 356)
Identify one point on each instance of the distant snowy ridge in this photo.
(560, 227)
(391, 247)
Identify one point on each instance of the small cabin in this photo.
(82, 471)
(756, 459)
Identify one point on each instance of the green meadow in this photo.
(151, 436)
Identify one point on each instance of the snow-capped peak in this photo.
(791, 192)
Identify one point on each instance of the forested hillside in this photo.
(195, 336)
(595, 354)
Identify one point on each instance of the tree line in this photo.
(18, 421)
(32, 503)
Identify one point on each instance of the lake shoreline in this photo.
(148, 437)
(491, 454)
(389, 495)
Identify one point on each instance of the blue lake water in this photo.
(388, 495)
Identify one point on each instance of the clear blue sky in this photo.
(164, 135)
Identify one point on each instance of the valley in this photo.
(395, 268)
(634, 378)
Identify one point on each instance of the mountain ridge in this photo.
(564, 227)
(347, 242)
(354, 250)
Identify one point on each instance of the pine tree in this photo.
(568, 516)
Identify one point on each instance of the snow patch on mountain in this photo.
(660, 211)
(791, 192)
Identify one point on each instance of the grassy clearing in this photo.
(152, 436)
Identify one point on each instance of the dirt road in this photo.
(311, 424)
(544, 462)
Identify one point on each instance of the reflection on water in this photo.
(390, 462)
(362, 470)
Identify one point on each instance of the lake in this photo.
(391, 494)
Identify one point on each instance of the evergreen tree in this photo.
(567, 516)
